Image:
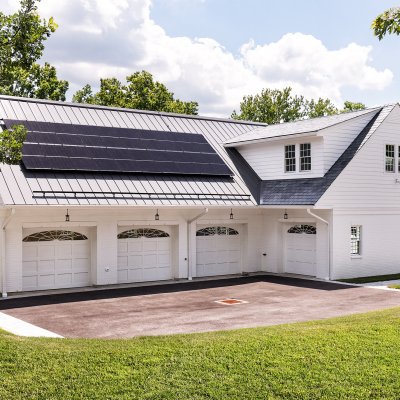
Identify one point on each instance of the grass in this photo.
(369, 279)
(355, 357)
(394, 286)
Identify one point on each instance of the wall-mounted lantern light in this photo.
(157, 216)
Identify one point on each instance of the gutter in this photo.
(3, 253)
(189, 241)
(329, 239)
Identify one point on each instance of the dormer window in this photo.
(290, 158)
(302, 152)
(305, 157)
(389, 158)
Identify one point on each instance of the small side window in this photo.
(389, 158)
(290, 158)
(355, 239)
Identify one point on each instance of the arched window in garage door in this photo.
(143, 232)
(308, 229)
(48, 236)
(217, 230)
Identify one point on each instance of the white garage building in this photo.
(108, 196)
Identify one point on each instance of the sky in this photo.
(217, 51)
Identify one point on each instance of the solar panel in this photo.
(53, 146)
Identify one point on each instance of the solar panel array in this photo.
(55, 146)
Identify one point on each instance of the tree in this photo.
(11, 142)
(140, 92)
(22, 37)
(387, 23)
(271, 106)
(319, 108)
(350, 106)
(274, 106)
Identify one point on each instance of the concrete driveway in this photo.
(191, 307)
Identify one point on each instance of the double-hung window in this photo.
(305, 157)
(290, 158)
(389, 158)
(355, 240)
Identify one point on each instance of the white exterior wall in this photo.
(337, 138)
(364, 182)
(268, 159)
(274, 246)
(364, 194)
(380, 249)
(104, 222)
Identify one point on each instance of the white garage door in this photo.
(218, 251)
(144, 254)
(55, 259)
(300, 250)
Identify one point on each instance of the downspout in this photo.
(189, 241)
(3, 254)
(329, 239)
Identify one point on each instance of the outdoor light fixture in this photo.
(67, 216)
(231, 215)
(157, 216)
(285, 216)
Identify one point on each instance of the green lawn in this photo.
(369, 279)
(354, 357)
(394, 286)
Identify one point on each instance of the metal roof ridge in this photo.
(235, 140)
(130, 110)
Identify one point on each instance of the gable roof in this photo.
(308, 191)
(19, 186)
(306, 126)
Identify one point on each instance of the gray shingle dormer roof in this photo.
(307, 126)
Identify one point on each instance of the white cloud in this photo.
(100, 38)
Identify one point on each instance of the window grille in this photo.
(389, 158)
(217, 230)
(305, 157)
(308, 229)
(142, 232)
(290, 158)
(355, 240)
(48, 236)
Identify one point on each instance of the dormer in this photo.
(301, 149)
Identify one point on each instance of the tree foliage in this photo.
(22, 37)
(11, 142)
(140, 92)
(387, 23)
(274, 106)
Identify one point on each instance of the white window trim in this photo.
(360, 250)
(395, 158)
(297, 158)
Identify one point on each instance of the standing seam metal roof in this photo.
(18, 187)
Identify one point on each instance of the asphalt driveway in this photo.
(191, 307)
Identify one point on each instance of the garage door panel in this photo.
(81, 251)
(135, 260)
(122, 261)
(81, 277)
(134, 245)
(30, 267)
(122, 246)
(63, 251)
(46, 267)
(149, 260)
(163, 245)
(45, 251)
(29, 252)
(46, 281)
(149, 244)
(80, 265)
